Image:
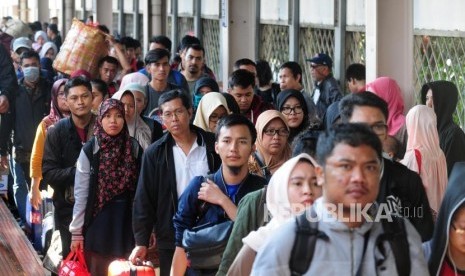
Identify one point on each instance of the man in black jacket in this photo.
(167, 167)
(30, 105)
(400, 188)
(62, 148)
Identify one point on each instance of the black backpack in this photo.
(307, 234)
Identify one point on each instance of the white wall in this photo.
(319, 12)
(275, 10)
(439, 15)
(355, 12)
(186, 7)
(211, 8)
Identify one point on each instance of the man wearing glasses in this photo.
(326, 89)
(167, 167)
(400, 188)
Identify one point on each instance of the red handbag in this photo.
(74, 265)
(123, 267)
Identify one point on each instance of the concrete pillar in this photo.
(237, 31)
(136, 20)
(294, 30)
(389, 43)
(154, 21)
(23, 10)
(340, 42)
(43, 11)
(103, 13)
(198, 19)
(70, 11)
(174, 26)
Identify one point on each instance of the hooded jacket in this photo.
(282, 98)
(202, 82)
(453, 199)
(451, 137)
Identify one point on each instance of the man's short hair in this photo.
(186, 41)
(244, 61)
(355, 71)
(196, 47)
(241, 78)
(77, 81)
(163, 40)
(294, 67)
(108, 59)
(101, 86)
(129, 42)
(366, 98)
(172, 95)
(264, 73)
(234, 120)
(29, 54)
(352, 134)
(305, 142)
(155, 55)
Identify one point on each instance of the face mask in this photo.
(31, 74)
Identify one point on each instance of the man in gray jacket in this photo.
(349, 224)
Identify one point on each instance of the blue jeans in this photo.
(20, 172)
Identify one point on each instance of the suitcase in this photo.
(123, 267)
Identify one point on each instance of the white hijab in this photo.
(138, 129)
(207, 105)
(277, 202)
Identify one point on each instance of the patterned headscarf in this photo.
(55, 114)
(117, 171)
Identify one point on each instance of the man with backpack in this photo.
(345, 232)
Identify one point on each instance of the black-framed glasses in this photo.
(170, 115)
(281, 132)
(288, 110)
(379, 128)
(215, 118)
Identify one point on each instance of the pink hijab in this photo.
(423, 137)
(388, 89)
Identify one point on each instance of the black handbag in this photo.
(205, 244)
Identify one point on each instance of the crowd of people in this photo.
(153, 151)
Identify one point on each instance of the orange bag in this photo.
(83, 47)
(74, 265)
(125, 268)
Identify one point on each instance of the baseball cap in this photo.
(22, 42)
(322, 59)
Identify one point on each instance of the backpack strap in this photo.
(266, 173)
(396, 235)
(418, 157)
(307, 234)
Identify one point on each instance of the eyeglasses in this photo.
(215, 118)
(379, 128)
(178, 113)
(61, 95)
(281, 132)
(288, 110)
(459, 231)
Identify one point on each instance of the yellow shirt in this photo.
(37, 153)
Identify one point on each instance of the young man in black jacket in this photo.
(400, 188)
(167, 167)
(62, 148)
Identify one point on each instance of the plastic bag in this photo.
(74, 265)
(83, 47)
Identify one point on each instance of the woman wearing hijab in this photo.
(58, 110)
(135, 77)
(272, 146)
(106, 176)
(212, 107)
(136, 125)
(388, 90)
(424, 155)
(292, 189)
(292, 105)
(202, 87)
(40, 38)
(442, 96)
(48, 50)
(446, 251)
